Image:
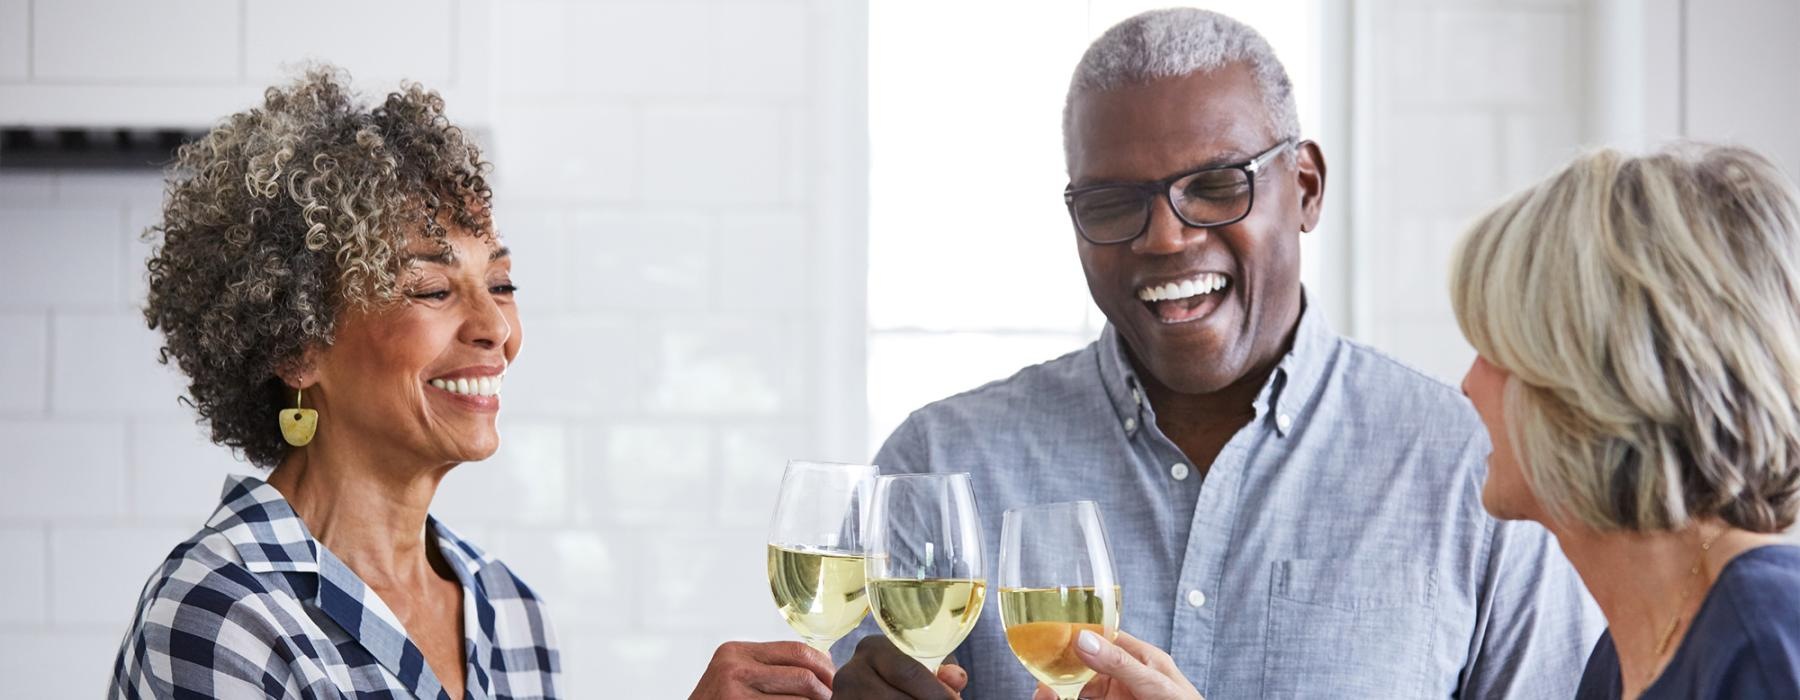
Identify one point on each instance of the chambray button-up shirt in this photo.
(1336, 547)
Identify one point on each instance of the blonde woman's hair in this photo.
(1648, 310)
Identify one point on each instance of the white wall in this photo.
(1455, 105)
(681, 183)
(1741, 75)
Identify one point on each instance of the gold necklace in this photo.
(1668, 634)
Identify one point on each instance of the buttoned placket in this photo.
(1209, 543)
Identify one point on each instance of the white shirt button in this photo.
(1284, 422)
(1196, 598)
(1178, 470)
(1137, 397)
(1130, 424)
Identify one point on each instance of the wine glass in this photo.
(816, 549)
(1056, 580)
(925, 566)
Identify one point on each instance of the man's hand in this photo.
(787, 670)
(1128, 669)
(880, 671)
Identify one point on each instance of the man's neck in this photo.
(1201, 424)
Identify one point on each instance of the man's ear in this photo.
(1309, 173)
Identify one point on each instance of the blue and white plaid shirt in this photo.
(253, 606)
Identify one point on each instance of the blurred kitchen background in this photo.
(746, 232)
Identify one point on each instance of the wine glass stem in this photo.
(820, 644)
(932, 664)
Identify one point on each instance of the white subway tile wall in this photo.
(15, 36)
(187, 40)
(25, 600)
(24, 355)
(279, 36)
(656, 175)
(1467, 102)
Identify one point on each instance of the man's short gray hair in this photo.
(1174, 42)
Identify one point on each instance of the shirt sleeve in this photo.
(1535, 622)
(195, 640)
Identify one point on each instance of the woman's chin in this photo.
(472, 446)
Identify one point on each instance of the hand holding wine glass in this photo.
(1127, 668)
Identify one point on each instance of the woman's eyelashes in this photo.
(441, 289)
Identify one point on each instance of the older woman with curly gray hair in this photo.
(329, 279)
(1637, 321)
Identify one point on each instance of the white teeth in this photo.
(1204, 283)
(478, 386)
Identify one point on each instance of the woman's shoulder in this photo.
(207, 558)
(1763, 585)
(205, 571)
(1757, 629)
(203, 618)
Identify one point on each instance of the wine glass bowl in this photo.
(926, 569)
(816, 549)
(1056, 580)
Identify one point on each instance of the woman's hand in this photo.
(742, 670)
(1128, 669)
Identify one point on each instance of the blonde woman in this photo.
(1638, 325)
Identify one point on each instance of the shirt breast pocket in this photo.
(1341, 628)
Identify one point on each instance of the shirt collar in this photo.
(269, 536)
(1294, 377)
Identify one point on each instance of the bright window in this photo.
(972, 265)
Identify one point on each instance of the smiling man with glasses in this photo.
(1292, 514)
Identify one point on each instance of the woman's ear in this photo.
(301, 372)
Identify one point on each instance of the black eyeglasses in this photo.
(1216, 195)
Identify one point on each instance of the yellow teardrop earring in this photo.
(298, 424)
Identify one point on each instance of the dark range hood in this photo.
(39, 148)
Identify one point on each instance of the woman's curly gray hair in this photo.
(282, 217)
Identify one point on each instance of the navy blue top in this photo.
(1744, 642)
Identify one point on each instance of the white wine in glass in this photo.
(925, 565)
(1056, 581)
(816, 549)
